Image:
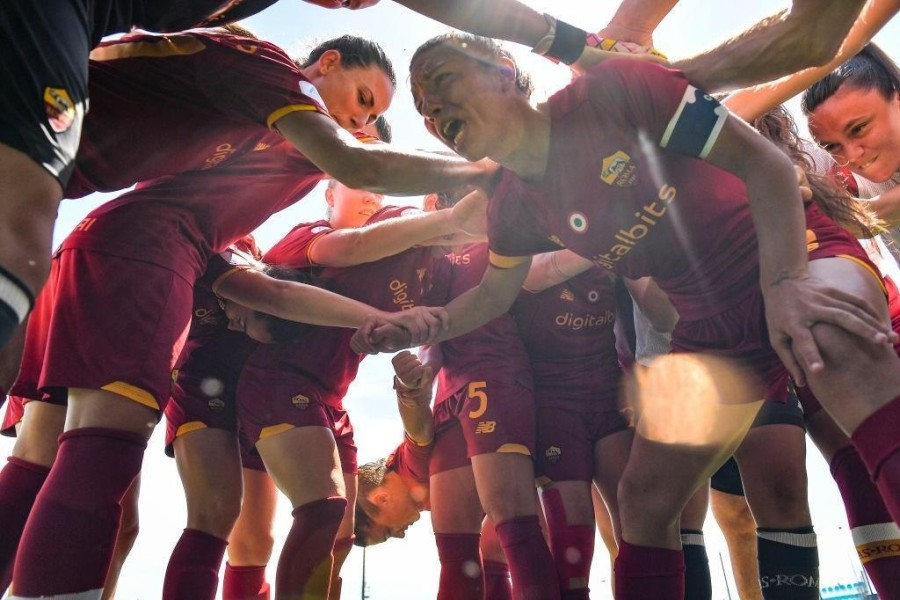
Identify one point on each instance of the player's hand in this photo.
(803, 182)
(327, 3)
(414, 380)
(376, 335)
(796, 303)
(423, 323)
(358, 4)
(470, 214)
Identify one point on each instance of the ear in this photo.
(329, 60)
(329, 196)
(430, 203)
(380, 496)
(507, 69)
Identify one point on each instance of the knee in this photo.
(785, 502)
(216, 514)
(641, 501)
(250, 547)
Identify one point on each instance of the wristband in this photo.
(568, 43)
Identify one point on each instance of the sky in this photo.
(407, 569)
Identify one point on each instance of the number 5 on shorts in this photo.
(476, 390)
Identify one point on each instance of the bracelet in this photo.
(402, 387)
(568, 43)
(545, 42)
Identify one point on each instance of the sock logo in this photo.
(787, 580)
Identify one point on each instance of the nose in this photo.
(853, 152)
(431, 106)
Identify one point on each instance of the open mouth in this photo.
(452, 131)
(868, 163)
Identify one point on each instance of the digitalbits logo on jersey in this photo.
(618, 169)
(59, 108)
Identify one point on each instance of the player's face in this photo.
(464, 102)
(861, 129)
(355, 96)
(247, 320)
(351, 207)
(396, 515)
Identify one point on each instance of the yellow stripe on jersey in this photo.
(515, 449)
(132, 393)
(505, 262)
(271, 430)
(162, 47)
(189, 427)
(286, 110)
(868, 268)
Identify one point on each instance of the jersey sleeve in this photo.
(411, 460)
(222, 266)
(516, 224)
(659, 103)
(256, 80)
(292, 250)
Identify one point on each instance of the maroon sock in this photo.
(69, 538)
(878, 444)
(193, 571)
(462, 575)
(876, 536)
(245, 583)
(342, 548)
(572, 547)
(20, 482)
(529, 559)
(644, 572)
(496, 581)
(306, 558)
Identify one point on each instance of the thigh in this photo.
(42, 423)
(455, 507)
(505, 484)
(315, 475)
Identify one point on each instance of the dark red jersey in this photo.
(493, 351)
(624, 187)
(568, 332)
(410, 461)
(165, 104)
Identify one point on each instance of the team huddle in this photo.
(630, 301)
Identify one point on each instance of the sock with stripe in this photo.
(68, 541)
(16, 301)
(878, 444)
(572, 547)
(193, 571)
(876, 536)
(496, 581)
(304, 569)
(643, 572)
(462, 575)
(20, 482)
(697, 581)
(245, 583)
(530, 562)
(788, 563)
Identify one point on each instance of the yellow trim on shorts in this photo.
(514, 449)
(267, 432)
(505, 262)
(189, 427)
(868, 268)
(170, 45)
(286, 110)
(132, 393)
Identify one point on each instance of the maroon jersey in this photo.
(395, 283)
(568, 332)
(118, 16)
(624, 187)
(200, 213)
(494, 350)
(410, 461)
(162, 105)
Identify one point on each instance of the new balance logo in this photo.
(486, 427)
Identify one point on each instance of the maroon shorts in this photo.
(270, 402)
(120, 326)
(493, 416)
(15, 410)
(566, 439)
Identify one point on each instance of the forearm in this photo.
(553, 268)
(751, 103)
(636, 20)
(503, 19)
(309, 304)
(808, 35)
(418, 421)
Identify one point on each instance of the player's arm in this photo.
(793, 298)
(309, 304)
(413, 382)
(653, 302)
(552, 268)
(887, 206)
(809, 34)
(377, 167)
(636, 20)
(486, 301)
(751, 103)
(357, 245)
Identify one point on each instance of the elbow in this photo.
(359, 170)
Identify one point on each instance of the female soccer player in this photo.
(609, 169)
